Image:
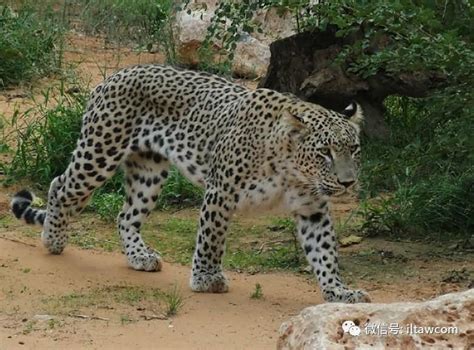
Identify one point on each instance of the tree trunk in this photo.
(304, 64)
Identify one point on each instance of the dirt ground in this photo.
(88, 298)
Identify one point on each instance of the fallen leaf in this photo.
(37, 202)
(350, 240)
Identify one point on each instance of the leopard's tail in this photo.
(21, 208)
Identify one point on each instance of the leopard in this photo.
(247, 148)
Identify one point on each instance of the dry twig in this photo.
(86, 317)
(17, 241)
(153, 317)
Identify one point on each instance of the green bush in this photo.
(46, 137)
(427, 167)
(439, 205)
(30, 45)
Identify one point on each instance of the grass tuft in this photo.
(173, 301)
(258, 292)
(107, 205)
(30, 43)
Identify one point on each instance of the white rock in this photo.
(274, 25)
(251, 59)
(191, 31)
(252, 54)
(321, 327)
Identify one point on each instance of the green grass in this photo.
(31, 43)
(29, 327)
(94, 235)
(169, 302)
(214, 62)
(425, 169)
(262, 248)
(173, 301)
(125, 319)
(179, 192)
(435, 205)
(249, 248)
(143, 24)
(258, 292)
(45, 137)
(173, 238)
(107, 205)
(121, 294)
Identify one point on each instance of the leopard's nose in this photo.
(347, 184)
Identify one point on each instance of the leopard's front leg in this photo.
(318, 239)
(207, 275)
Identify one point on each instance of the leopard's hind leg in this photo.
(101, 148)
(145, 174)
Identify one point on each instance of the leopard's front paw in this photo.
(209, 283)
(344, 295)
(149, 260)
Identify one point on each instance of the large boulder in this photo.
(384, 326)
(252, 54)
(191, 29)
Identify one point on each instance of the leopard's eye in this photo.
(325, 152)
(354, 148)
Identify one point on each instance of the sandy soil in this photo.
(207, 321)
(32, 281)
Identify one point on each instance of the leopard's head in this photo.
(324, 146)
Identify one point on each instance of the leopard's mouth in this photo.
(340, 193)
(331, 191)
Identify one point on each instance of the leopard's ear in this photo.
(353, 112)
(293, 121)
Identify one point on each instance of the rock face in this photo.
(384, 326)
(251, 58)
(252, 54)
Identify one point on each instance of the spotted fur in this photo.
(247, 148)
